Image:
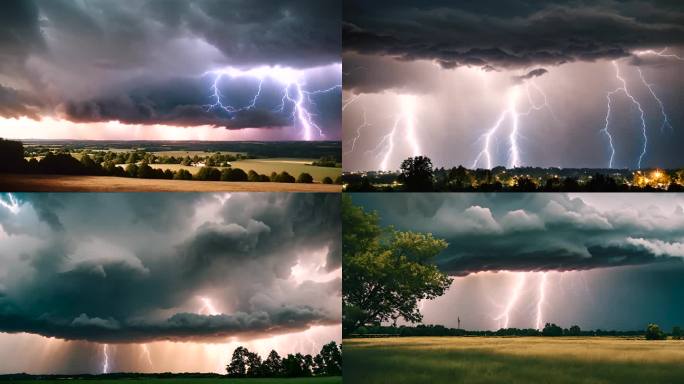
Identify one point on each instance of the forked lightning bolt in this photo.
(105, 362)
(540, 301)
(505, 317)
(666, 121)
(296, 100)
(625, 90)
(406, 114)
(363, 125)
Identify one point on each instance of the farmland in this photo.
(480, 360)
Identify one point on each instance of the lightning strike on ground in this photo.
(105, 362)
(540, 301)
(505, 317)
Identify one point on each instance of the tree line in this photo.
(418, 175)
(12, 161)
(652, 331)
(246, 364)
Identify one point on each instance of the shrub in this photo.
(284, 177)
(305, 178)
(182, 174)
(327, 180)
(653, 332)
(233, 174)
(208, 174)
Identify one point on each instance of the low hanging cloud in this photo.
(134, 268)
(142, 62)
(537, 232)
(519, 34)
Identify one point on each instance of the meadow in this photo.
(480, 360)
(310, 380)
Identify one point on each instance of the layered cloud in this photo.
(143, 267)
(143, 61)
(539, 232)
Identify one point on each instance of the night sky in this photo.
(443, 73)
(187, 277)
(142, 69)
(610, 261)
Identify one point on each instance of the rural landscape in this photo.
(493, 303)
(168, 166)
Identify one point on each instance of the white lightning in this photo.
(666, 121)
(408, 105)
(146, 353)
(660, 53)
(487, 140)
(11, 204)
(105, 363)
(292, 83)
(363, 125)
(208, 307)
(605, 127)
(406, 115)
(389, 140)
(625, 90)
(540, 301)
(505, 316)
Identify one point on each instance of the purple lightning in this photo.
(296, 97)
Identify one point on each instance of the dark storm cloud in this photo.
(532, 232)
(134, 267)
(140, 61)
(516, 34)
(15, 103)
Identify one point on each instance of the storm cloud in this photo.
(539, 232)
(143, 62)
(126, 268)
(517, 34)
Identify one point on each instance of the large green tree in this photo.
(386, 272)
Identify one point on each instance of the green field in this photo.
(265, 166)
(479, 360)
(313, 380)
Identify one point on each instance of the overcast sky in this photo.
(612, 261)
(454, 69)
(145, 62)
(175, 271)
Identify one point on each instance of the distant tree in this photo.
(417, 174)
(329, 361)
(12, 156)
(575, 331)
(551, 329)
(273, 365)
(305, 178)
(387, 271)
(327, 180)
(238, 363)
(676, 333)
(132, 170)
(208, 174)
(252, 176)
(254, 365)
(145, 171)
(233, 174)
(284, 177)
(653, 332)
(132, 158)
(339, 180)
(274, 177)
(168, 174)
(182, 174)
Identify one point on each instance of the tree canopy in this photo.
(386, 272)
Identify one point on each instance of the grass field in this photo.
(265, 166)
(479, 360)
(58, 183)
(313, 380)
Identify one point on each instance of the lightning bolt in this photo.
(363, 125)
(660, 53)
(625, 90)
(11, 204)
(105, 363)
(208, 307)
(605, 128)
(505, 316)
(146, 353)
(540, 301)
(666, 121)
(295, 97)
(406, 114)
(511, 113)
(349, 101)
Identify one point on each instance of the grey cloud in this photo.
(144, 261)
(535, 232)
